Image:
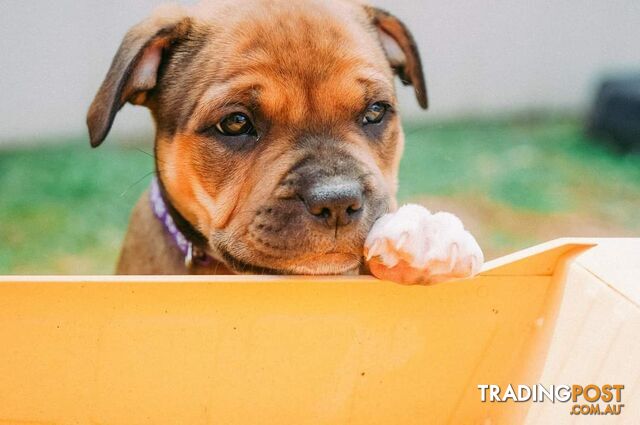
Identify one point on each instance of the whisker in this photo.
(136, 183)
(149, 154)
(145, 152)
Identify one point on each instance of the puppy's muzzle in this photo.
(337, 201)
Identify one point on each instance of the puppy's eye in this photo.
(375, 113)
(235, 124)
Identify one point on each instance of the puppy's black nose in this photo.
(337, 203)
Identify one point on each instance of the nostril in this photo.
(336, 204)
(325, 213)
(318, 210)
(356, 205)
(353, 209)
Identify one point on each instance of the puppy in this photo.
(277, 143)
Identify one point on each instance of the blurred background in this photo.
(532, 132)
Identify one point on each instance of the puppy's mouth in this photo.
(330, 263)
(313, 225)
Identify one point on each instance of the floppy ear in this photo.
(401, 50)
(134, 70)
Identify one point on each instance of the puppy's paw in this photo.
(413, 246)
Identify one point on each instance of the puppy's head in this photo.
(278, 137)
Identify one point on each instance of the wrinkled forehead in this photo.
(296, 58)
(292, 102)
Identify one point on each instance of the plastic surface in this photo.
(273, 350)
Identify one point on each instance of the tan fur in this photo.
(147, 249)
(304, 71)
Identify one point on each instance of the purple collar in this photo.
(192, 255)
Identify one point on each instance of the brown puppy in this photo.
(277, 141)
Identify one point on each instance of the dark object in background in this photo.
(616, 113)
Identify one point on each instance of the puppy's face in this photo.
(278, 136)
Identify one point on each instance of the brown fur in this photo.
(304, 71)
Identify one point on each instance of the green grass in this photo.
(64, 207)
(547, 167)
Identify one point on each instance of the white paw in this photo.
(414, 246)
